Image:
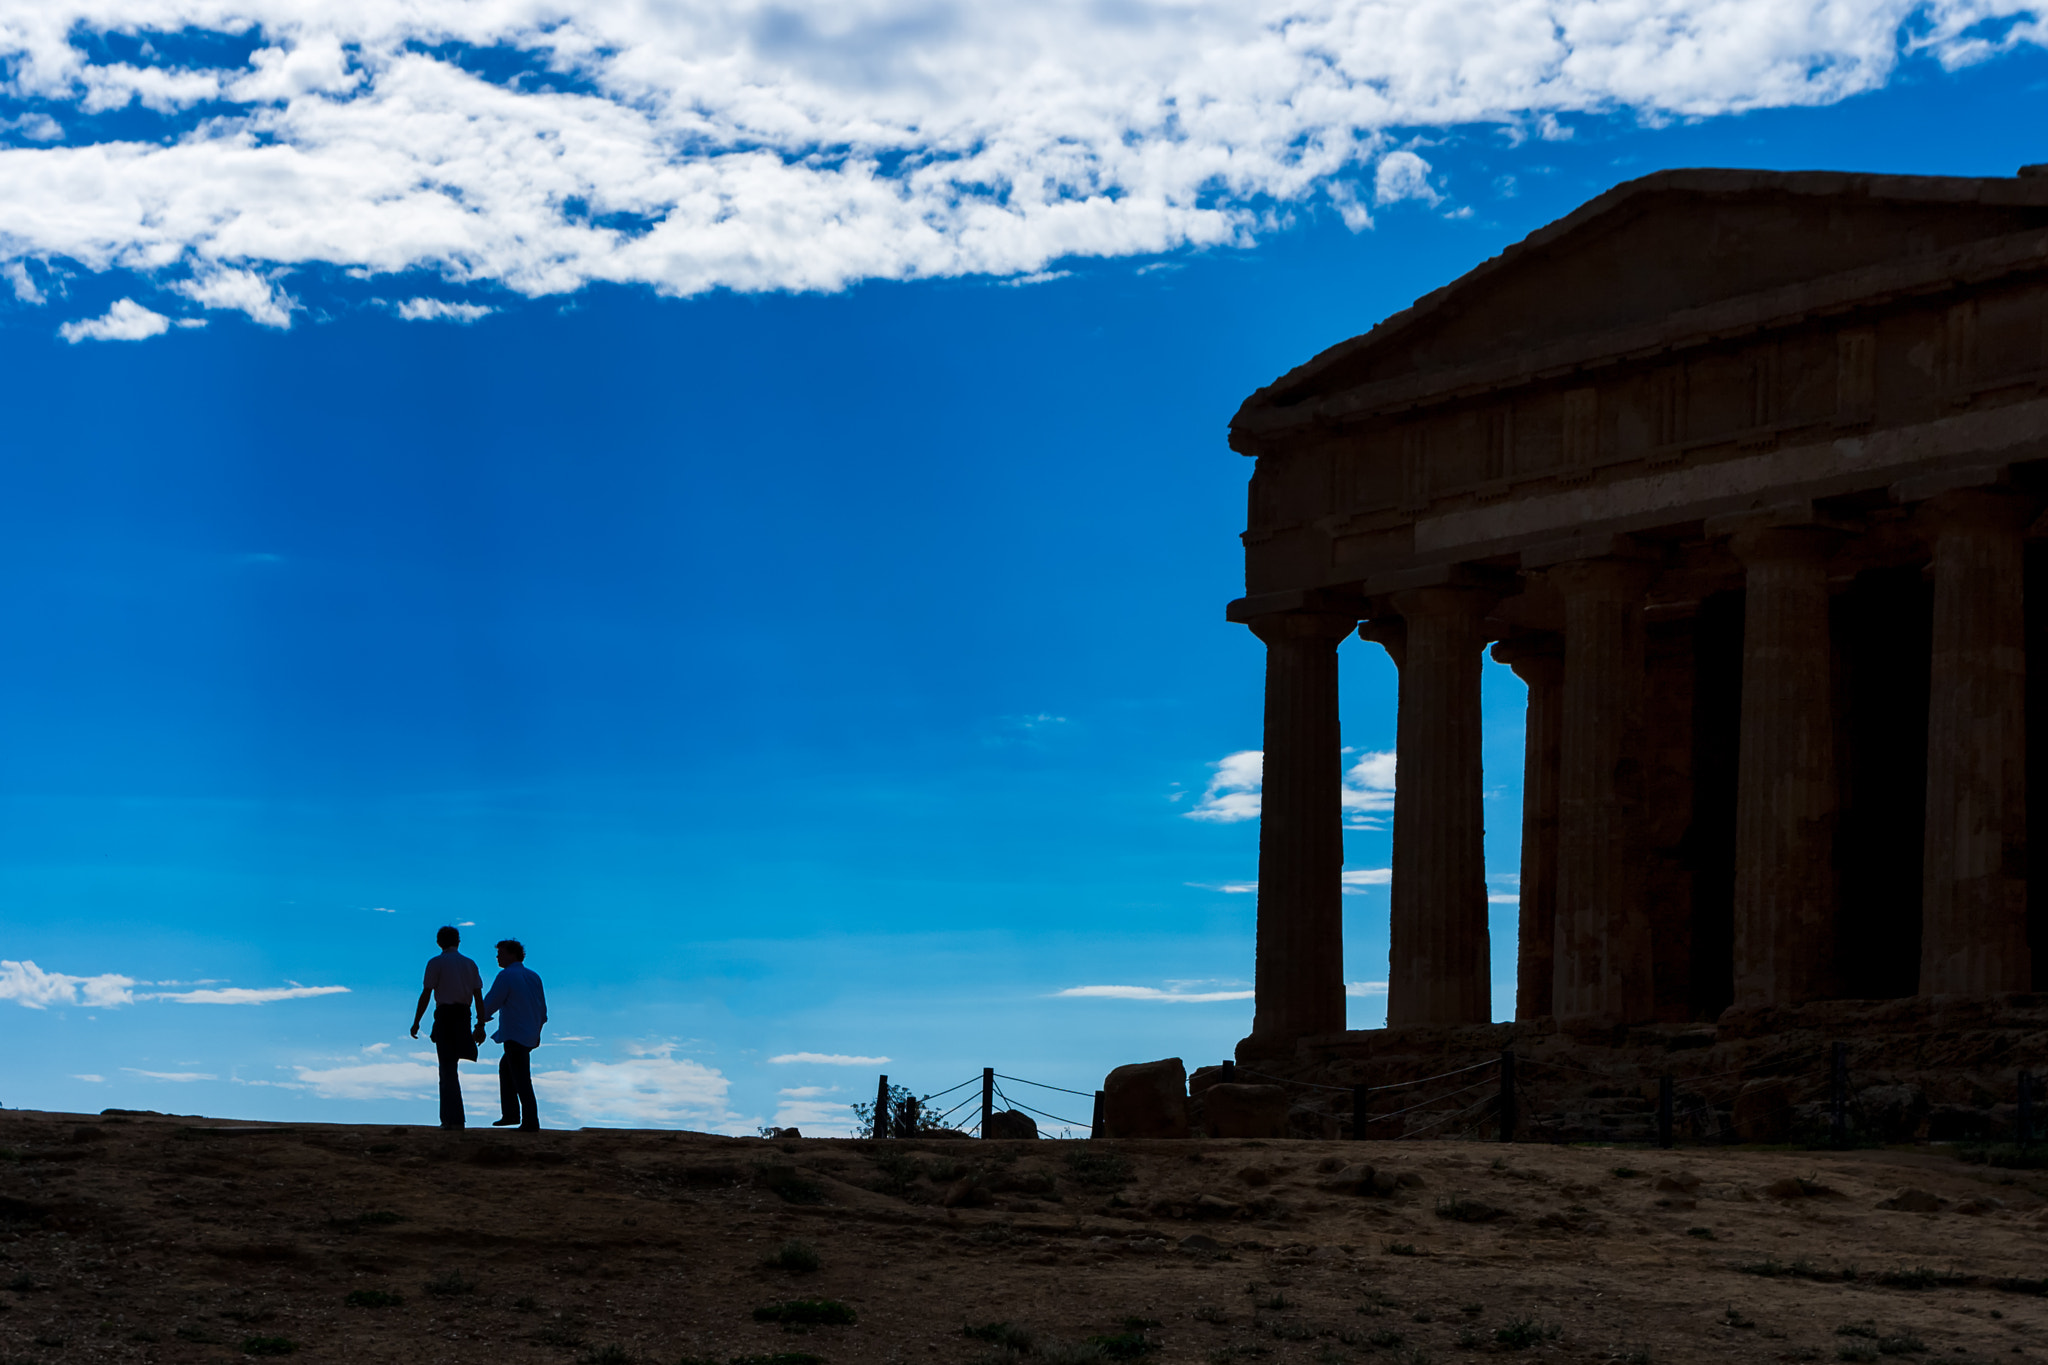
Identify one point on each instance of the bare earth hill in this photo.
(148, 1238)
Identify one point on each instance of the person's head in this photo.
(448, 937)
(510, 950)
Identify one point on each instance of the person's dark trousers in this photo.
(515, 1087)
(452, 1044)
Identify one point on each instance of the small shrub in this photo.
(1398, 1248)
(268, 1346)
(1278, 1303)
(1099, 1170)
(1903, 1344)
(1209, 1312)
(1470, 1338)
(1384, 1340)
(1919, 1277)
(1123, 1345)
(373, 1298)
(1733, 1317)
(1522, 1333)
(526, 1303)
(450, 1285)
(1007, 1335)
(808, 1313)
(1626, 1172)
(1857, 1329)
(799, 1258)
(1704, 1234)
(1292, 1331)
(1472, 1310)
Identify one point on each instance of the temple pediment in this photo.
(1669, 246)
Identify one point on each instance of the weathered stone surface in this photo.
(1009, 1123)
(1146, 1100)
(1245, 1111)
(1763, 1111)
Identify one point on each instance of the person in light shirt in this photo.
(453, 983)
(521, 1009)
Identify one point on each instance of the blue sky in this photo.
(800, 620)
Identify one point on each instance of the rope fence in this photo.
(1491, 1102)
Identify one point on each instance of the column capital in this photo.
(1448, 600)
(1302, 625)
(1389, 633)
(1990, 508)
(1784, 544)
(1607, 579)
(1532, 656)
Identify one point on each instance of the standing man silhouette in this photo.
(517, 999)
(453, 983)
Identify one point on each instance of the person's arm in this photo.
(488, 1006)
(426, 994)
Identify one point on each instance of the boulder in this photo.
(1245, 1111)
(1009, 1123)
(965, 1194)
(1359, 1179)
(1911, 1200)
(1213, 1206)
(1763, 1112)
(1147, 1100)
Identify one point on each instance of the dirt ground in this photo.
(178, 1239)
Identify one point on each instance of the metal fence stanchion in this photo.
(1360, 1100)
(1507, 1095)
(988, 1096)
(882, 1108)
(1838, 1096)
(1095, 1123)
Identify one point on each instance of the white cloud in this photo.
(1148, 993)
(806, 1092)
(17, 277)
(392, 1080)
(172, 1075)
(1233, 793)
(246, 995)
(34, 127)
(1403, 175)
(27, 984)
(827, 1059)
(87, 1076)
(816, 1118)
(1509, 899)
(1227, 888)
(1358, 879)
(809, 144)
(1365, 988)
(382, 910)
(244, 291)
(653, 1090)
(127, 320)
(438, 310)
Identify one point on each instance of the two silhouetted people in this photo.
(453, 984)
(521, 1008)
(516, 999)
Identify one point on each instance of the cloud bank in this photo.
(29, 985)
(1236, 785)
(539, 146)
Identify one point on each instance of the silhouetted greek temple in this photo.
(1740, 471)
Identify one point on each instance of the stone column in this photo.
(1785, 775)
(1974, 893)
(1604, 969)
(1438, 971)
(1299, 976)
(1539, 662)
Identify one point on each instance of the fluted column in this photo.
(1785, 799)
(1299, 975)
(1604, 968)
(1974, 894)
(1539, 662)
(1437, 939)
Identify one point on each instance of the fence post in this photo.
(1358, 1107)
(988, 1097)
(2025, 1113)
(1664, 1110)
(1838, 1097)
(1095, 1123)
(882, 1108)
(1507, 1095)
(906, 1122)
